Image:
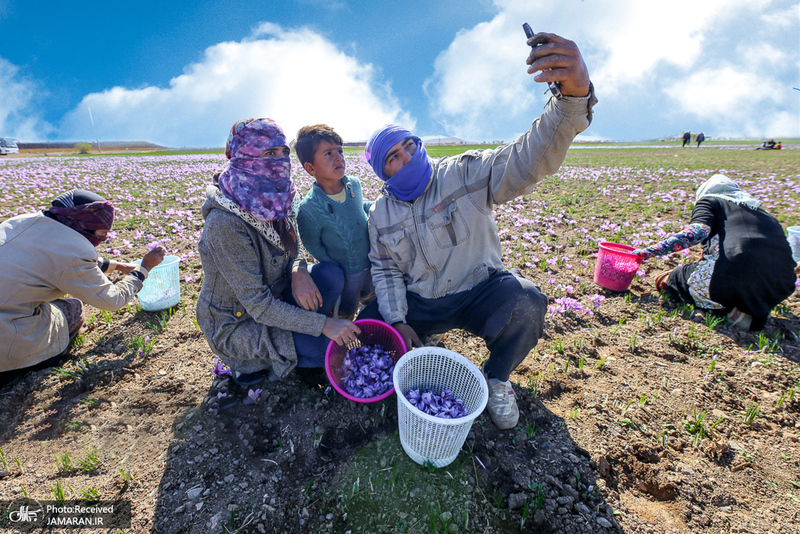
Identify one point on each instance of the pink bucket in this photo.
(373, 332)
(616, 266)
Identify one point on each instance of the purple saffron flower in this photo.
(445, 405)
(252, 396)
(220, 369)
(367, 371)
(596, 300)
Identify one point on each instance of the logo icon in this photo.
(23, 514)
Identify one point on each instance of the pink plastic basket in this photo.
(373, 332)
(616, 266)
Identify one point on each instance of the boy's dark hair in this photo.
(310, 137)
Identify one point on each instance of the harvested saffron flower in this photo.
(367, 371)
(445, 405)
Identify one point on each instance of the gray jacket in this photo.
(446, 240)
(240, 308)
(40, 261)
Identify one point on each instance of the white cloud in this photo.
(473, 81)
(691, 60)
(295, 77)
(726, 98)
(17, 115)
(714, 92)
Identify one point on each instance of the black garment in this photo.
(754, 271)
(687, 138)
(700, 138)
(767, 145)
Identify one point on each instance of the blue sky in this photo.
(180, 73)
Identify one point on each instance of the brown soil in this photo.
(609, 437)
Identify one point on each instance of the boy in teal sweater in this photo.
(332, 218)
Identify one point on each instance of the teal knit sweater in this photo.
(336, 231)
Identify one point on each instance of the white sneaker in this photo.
(502, 404)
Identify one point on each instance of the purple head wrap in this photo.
(410, 181)
(84, 212)
(260, 186)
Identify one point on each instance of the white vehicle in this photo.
(8, 145)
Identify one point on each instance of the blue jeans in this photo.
(506, 310)
(329, 280)
(357, 289)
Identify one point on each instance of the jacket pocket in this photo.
(228, 312)
(277, 274)
(448, 226)
(400, 248)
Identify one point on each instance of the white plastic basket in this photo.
(162, 288)
(425, 438)
(794, 241)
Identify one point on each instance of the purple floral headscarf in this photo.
(260, 186)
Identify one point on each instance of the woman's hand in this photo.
(153, 258)
(409, 335)
(342, 331)
(305, 291)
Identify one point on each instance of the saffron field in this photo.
(637, 414)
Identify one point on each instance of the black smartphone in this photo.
(552, 85)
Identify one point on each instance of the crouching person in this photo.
(435, 252)
(262, 310)
(43, 257)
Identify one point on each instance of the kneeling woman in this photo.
(746, 268)
(261, 309)
(44, 256)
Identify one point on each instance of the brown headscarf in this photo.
(84, 212)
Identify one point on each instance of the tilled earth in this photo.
(605, 443)
(645, 417)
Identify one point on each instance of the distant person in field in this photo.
(769, 144)
(746, 268)
(435, 252)
(263, 311)
(700, 138)
(332, 218)
(51, 253)
(687, 139)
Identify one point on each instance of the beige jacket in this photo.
(41, 260)
(446, 240)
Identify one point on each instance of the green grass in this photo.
(188, 151)
(383, 490)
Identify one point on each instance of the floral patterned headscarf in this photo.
(720, 186)
(258, 185)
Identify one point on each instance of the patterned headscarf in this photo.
(720, 186)
(84, 212)
(410, 181)
(259, 186)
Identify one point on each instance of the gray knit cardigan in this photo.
(240, 308)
